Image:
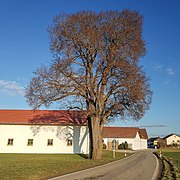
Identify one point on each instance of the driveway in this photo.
(143, 165)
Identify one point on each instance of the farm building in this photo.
(135, 138)
(57, 131)
(156, 142)
(172, 139)
(43, 131)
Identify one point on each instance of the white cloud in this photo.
(170, 71)
(11, 88)
(158, 67)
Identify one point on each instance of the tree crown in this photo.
(96, 58)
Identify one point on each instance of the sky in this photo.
(24, 46)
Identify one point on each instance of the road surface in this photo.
(143, 165)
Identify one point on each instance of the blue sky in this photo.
(24, 46)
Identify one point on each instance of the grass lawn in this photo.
(44, 166)
(173, 156)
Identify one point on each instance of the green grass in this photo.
(173, 156)
(170, 150)
(43, 166)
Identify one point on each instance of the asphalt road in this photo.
(143, 165)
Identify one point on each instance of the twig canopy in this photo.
(96, 58)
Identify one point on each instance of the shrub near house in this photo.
(124, 145)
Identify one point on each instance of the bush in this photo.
(104, 146)
(174, 145)
(123, 145)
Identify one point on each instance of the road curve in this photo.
(143, 165)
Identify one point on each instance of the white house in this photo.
(57, 131)
(43, 131)
(172, 139)
(135, 137)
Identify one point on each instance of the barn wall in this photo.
(40, 135)
(135, 143)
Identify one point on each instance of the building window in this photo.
(69, 142)
(30, 142)
(10, 142)
(50, 142)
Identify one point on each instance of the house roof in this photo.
(123, 132)
(169, 135)
(143, 134)
(61, 117)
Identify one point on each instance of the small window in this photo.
(30, 142)
(10, 142)
(50, 142)
(69, 142)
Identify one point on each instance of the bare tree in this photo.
(96, 59)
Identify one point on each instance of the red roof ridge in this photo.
(122, 127)
(72, 117)
(123, 132)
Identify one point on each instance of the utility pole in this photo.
(114, 148)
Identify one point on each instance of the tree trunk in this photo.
(95, 136)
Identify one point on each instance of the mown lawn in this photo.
(173, 156)
(44, 166)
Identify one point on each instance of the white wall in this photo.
(172, 139)
(143, 143)
(40, 134)
(136, 142)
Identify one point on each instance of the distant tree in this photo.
(161, 143)
(96, 60)
(125, 145)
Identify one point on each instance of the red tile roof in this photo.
(123, 132)
(66, 117)
(119, 132)
(143, 134)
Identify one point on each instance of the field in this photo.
(171, 163)
(43, 166)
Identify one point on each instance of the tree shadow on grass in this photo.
(84, 156)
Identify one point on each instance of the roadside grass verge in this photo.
(44, 166)
(171, 163)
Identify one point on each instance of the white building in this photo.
(57, 131)
(135, 137)
(42, 131)
(172, 139)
